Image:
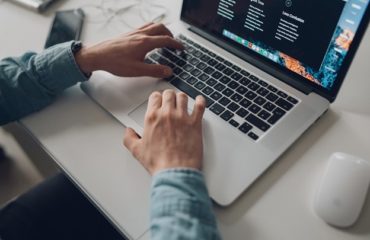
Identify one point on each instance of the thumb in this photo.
(131, 141)
(154, 70)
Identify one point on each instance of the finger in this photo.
(168, 100)
(155, 101)
(154, 42)
(131, 141)
(156, 30)
(199, 108)
(182, 102)
(153, 70)
(145, 26)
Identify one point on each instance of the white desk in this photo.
(86, 143)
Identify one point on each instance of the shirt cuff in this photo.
(181, 191)
(58, 67)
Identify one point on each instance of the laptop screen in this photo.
(308, 38)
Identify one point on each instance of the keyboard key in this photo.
(188, 67)
(199, 85)
(203, 77)
(245, 127)
(184, 76)
(208, 90)
(192, 92)
(282, 94)
(236, 97)
(244, 81)
(191, 80)
(269, 106)
(253, 78)
(228, 92)
(196, 72)
(245, 103)
(198, 54)
(212, 62)
(217, 75)
(284, 104)
(225, 101)
(201, 65)
(220, 87)
(245, 73)
(220, 67)
(260, 101)
(236, 76)
(272, 89)
(211, 82)
(233, 107)
(263, 83)
(205, 58)
(264, 115)
(234, 123)
(242, 112)
(155, 56)
(228, 72)
(225, 80)
(227, 115)
(181, 63)
(253, 136)
(242, 90)
(216, 95)
(272, 97)
(209, 70)
(217, 108)
(292, 100)
(262, 91)
(233, 85)
(257, 122)
(250, 95)
(254, 108)
(220, 59)
(276, 115)
(149, 61)
(236, 68)
(194, 61)
(253, 86)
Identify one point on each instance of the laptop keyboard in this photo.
(245, 101)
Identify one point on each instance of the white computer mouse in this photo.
(343, 190)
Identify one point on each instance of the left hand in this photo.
(124, 55)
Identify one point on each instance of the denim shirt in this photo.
(180, 205)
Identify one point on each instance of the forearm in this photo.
(32, 81)
(181, 207)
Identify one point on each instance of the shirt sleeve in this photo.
(181, 207)
(30, 82)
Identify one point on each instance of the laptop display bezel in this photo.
(277, 70)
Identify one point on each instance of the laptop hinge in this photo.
(275, 72)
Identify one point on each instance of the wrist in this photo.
(85, 60)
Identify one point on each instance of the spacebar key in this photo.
(192, 92)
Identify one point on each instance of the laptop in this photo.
(268, 70)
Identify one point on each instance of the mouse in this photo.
(343, 189)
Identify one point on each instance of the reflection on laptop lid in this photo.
(311, 41)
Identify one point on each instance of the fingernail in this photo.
(167, 71)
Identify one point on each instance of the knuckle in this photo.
(151, 117)
(155, 94)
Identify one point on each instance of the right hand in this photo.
(172, 138)
(124, 56)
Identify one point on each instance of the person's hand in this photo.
(172, 137)
(124, 55)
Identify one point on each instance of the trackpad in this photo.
(138, 114)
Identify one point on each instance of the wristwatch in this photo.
(76, 47)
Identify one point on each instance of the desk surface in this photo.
(86, 142)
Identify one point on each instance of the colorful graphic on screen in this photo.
(333, 56)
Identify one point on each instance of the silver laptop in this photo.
(268, 69)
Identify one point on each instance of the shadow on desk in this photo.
(279, 168)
